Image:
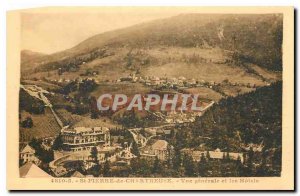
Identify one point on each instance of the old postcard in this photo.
(150, 98)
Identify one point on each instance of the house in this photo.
(77, 174)
(140, 139)
(182, 78)
(255, 147)
(45, 146)
(107, 153)
(27, 155)
(88, 164)
(155, 81)
(30, 170)
(126, 155)
(160, 149)
(60, 171)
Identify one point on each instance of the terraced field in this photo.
(44, 125)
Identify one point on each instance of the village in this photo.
(96, 151)
(86, 148)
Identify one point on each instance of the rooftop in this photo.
(28, 149)
(77, 174)
(160, 145)
(78, 130)
(30, 170)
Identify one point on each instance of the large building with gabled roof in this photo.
(27, 154)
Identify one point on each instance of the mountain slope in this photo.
(30, 59)
(253, 117)
(28, 55)
(254, 38)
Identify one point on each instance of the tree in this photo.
(87, 85)
(141, 167)
(106, 169)
(207, 155)
(94, 154)
(227, 156)
(239, 167)
(94, 108)
(80, 109)
(250, 157)
(188, 164)
(59, 71)
(202, 167)
(224, 156)
(45, 156)
(263, 170)
(58, 143)
(176, 161)
(21, 162)
(95, 170)
(135, 149)
(27, 123)
(35, 143)
(157, 168)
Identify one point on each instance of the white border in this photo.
(7, 5)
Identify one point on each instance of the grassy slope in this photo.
(170, 62)
(85, 120)
(44, 125)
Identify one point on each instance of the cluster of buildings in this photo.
(78, 143)
(178, 82)
(67, 80)
(179, 116)
(216, 154)
(160, 82)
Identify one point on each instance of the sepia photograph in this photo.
(129, 95)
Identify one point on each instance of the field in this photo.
(266, 73)
(205, 93)
(85, 120)
(128, 89)
(235, 90)
(44, 125)
(45, 85)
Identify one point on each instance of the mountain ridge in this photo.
(253, 38)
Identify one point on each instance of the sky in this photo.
(54, 30)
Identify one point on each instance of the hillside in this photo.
(226, 55)
(44, 125)
(28, 58)
(43, 122)
(253, 117)
(200, 42)
(28, 55)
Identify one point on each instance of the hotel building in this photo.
(84, 138)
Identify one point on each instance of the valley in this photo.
(230, 61)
